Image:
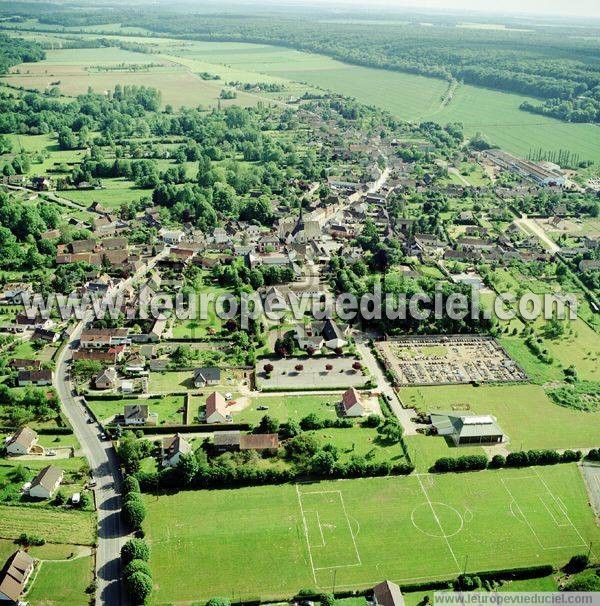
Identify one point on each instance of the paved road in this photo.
(383, 385)
(529, 225)
(103, 462)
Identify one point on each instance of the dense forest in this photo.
(562, 71)
(14, 51)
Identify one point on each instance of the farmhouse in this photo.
(318, 334)
(352, 404)
(23, 364)
(22, 442)
(216, 409)
(42, 334)
(172, 449)
(14, 576)
(468, 429)
(207, 376)
(38, 378)
(46, 482)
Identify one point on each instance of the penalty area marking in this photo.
(306, 533)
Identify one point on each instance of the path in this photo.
(383, 385)
(530, 226)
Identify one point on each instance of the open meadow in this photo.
(176, 67)
(404, 529)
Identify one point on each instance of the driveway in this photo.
(384, 386)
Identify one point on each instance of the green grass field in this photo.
(525, 413)
(401, 528)
(284, 408)
(166, 407)
(50, 589)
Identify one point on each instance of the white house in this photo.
(46, 482)
(23, 442)
(352, 404)
(172, 449)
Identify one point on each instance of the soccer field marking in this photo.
(320, 528)
(439, 523)
(316, 512)
(350, 527)
(444, 533)
(564, 524)
(306, 535)
(526, 519)
(583, 541)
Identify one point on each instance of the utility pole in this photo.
(334, 578)
(466, 561)
(590, 550)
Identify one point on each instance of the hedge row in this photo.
(525, 458)
(170, 429)
(503, 574)
(593, 455)
(217, 477)
(44, 431)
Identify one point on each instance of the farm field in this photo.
(524, 412)
(500, 519)
(55, 526)
(495, 114)
(76, 72)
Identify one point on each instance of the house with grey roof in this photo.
(46, 482)
(468, 428)
(209, 375)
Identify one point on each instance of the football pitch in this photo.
(270, 542)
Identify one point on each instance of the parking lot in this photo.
(304, 373)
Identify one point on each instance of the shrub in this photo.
(465, 463)
(135, 549)
(593, 454)
(584, 583)
(137, 566)
(218, 602)
(27, 540)
(133, 497)
(577, 563)
(467, 582)
(372, 421)
(134, 512)
(497, 461)
(139, 587)
(131, 484)
(327, 599)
